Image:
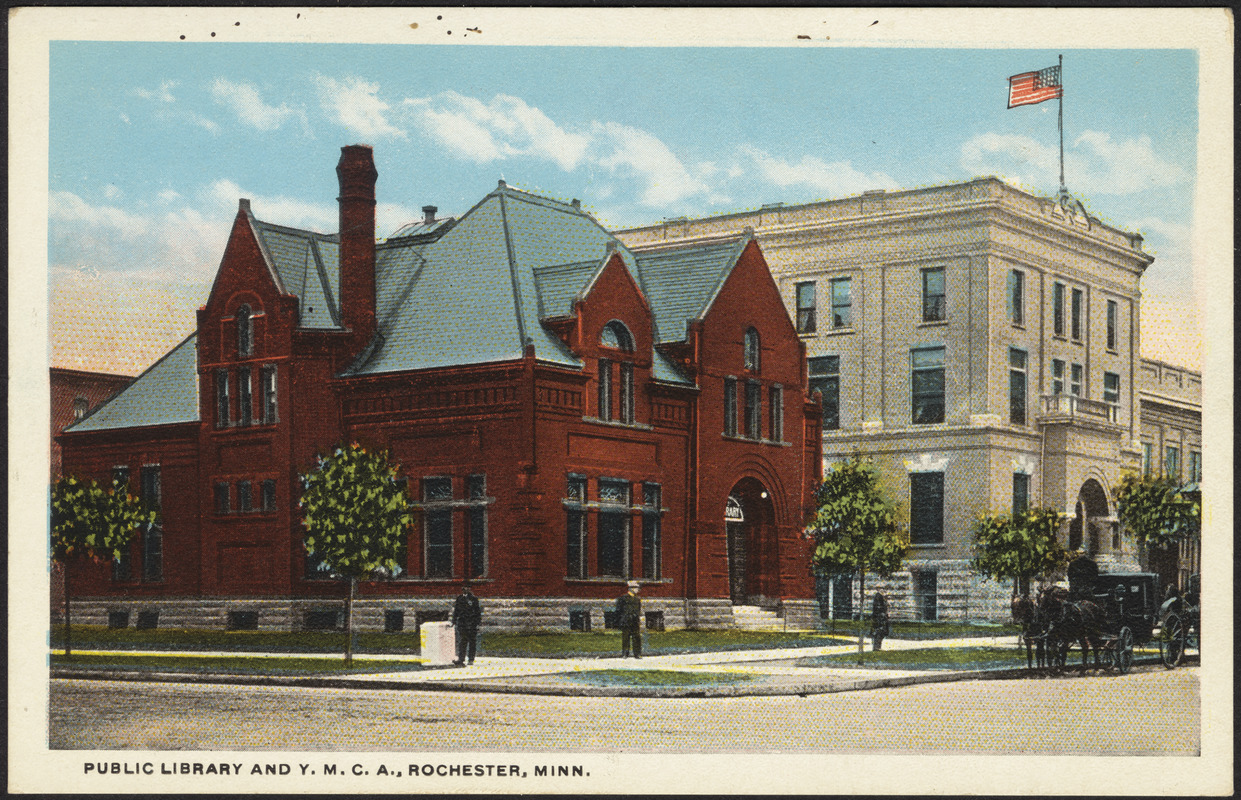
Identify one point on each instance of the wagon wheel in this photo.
(1108, 651)
(1172, 641)
(1124, 650)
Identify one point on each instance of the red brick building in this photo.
(75, 393)
(569, 413)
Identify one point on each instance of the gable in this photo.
(681, 282)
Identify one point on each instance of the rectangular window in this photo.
(1148, 458)
(651, 547)
(626, 398)
(806, 307)
(245, 405)
(1172, 462)
(1057, 309)
(842, 303)
(1016, 386)
(824, 374)
(1057, 376)
(777, 413)
(245, 496)
(221, 398)
(605, 389)
(730, 406)
(925, 591)
(613, 528)
(575, 527)
(1076, 326)
(120, 477)
(753, 410)
(1111, 387)
(927, 385)
(223, 501)
(1016, 296)
(267, 377)
(153, 535)
(1075, 380)
(1021, 493)
(1111, 324)
(437, 526)
(1195, 467)
(476, 526)
(269, 495)
(926, 507)
(934, 303)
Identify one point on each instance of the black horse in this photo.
(1033, 630)
(1070, 621)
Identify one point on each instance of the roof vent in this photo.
(501, 184)
(428, 214)
(577, 204)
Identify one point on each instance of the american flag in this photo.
(1029, 88)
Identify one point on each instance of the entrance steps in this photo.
(756, 618)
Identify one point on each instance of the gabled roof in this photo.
(308, 265)
(166, 394)
(681, 282)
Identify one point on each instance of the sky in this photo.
(152, 144)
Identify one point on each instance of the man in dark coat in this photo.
(1082, 573)
(629, 619)
(879, 619)
(466, 616)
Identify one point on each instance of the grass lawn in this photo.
(574, 645)
(653, 677)
(233, 665)
(930, 658)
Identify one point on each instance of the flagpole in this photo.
(1064, 190)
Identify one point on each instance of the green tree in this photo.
(91, 522)
(1156, 511)
(854, 528)
(356, 516)
(1020, 546)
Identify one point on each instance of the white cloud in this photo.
(169, 195)
(836, 178)
(1124, 167)
(163, 94)
(1016, 159)
(112, 191)
(354, 103)
(75, 214)
(244, 99)
(624, 149)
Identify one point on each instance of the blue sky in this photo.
(152, 144)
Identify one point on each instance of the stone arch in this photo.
(1089, 528)
(750, 530)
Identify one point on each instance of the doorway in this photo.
(748, 517)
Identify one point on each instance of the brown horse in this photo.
(1033, 631)
(1071, 621)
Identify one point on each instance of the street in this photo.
(1151, 711)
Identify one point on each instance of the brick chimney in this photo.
(356, 173)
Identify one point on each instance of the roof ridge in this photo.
(134, 381)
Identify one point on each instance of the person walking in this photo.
(879, 625)
(629, 618)
(467, 614)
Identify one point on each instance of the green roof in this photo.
(166, 394)
(681, 282)
(307, 265)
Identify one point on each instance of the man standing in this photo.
(466, 616)
(879, 620)
(629, 618)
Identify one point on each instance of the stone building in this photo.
(981, 345)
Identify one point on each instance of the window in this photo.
(651, 549)
(806, 307)
(605, 389)
(753, 410)
(1021, 493)
(269, 495)
(925, 590)
(122, 568)
(1057, 309)
(245, 332)
(1075, 382)
(1148, 458)
(1057, 376)
(1172, 462)
(1016, 296)
(617, 336)
(267, 377)
(1111, 324)
(575, 526)
(120, 477)
(613, 528)
(1016, 386)
(223, 502)
(927, 385)
(437, 526)
(842, 292)
(1076, 315)
(221, 398)
(824, 374)
(153, 538)
(1195, 467)
(244, 403)
(730, 406)
(777, 413)
(934, 304)
(476, 526)
(926, 507)
(316, 567)
(1111, 387)
(80, 406)
(626, 392)
(245, 496)
(753, 351)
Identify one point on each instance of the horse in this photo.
(1033, 631)
(1071, 621)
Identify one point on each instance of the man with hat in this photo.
(466, 616)
(629, 619)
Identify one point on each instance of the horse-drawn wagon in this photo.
(1179, 620)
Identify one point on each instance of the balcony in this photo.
(1070, 408)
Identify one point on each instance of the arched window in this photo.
(616, 335)
(752, 348)
(80, 407)
(245, 332)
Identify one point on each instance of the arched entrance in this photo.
(748, 517)
(1090, 529)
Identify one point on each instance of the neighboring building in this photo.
(568, 413)
(1171, 403)
(75, 393)
(979, 343)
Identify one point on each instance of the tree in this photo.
(855, 528)
(356, 515)
(1155, 509)
(1019, 546)
(91, 522)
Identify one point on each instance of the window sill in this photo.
(843, 331)
(932, 323)
(1021, 326)
(808, 334)
(1111, 351)
(927, 545)
(605, 579)
(612, 423)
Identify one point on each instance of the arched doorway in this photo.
(748, 517)
(1089, 529)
